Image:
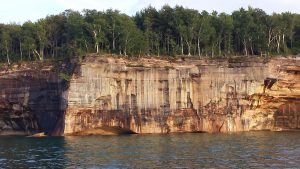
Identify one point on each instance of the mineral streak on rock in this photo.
(155, 96)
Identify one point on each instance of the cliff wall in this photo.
(106, 94)
(157, 96)
(33, 98)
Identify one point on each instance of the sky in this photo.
(19, 11)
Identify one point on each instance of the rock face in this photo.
(33, 99)
(156, 96)
(153, 96)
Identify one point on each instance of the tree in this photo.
(95, 24)
(128, 34)
(258, 32)
(204, 31)
(76, 39)
(167, 31)
(40, 34)
(27, 39)
(6, 42)
(242, 21)
(225, 24)
(289, 21)
(186, 24)
(113, 21)
(56, 33)
(147, 22)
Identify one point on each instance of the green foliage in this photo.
(65, 76)
(167, 31)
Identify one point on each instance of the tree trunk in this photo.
(219, 46)
(158, 44)
(251, 47)
(113, 36)
(189, 47)
(86, 46)
(291, 38)
(189, 50)
(168, 45)
(140, 53)
(97, 48)
(152, 46)
(55, 53)
(229, 45)
(21, 52)
(52, 49)
(283, 43)
(198, 46)
(37, 53)
(34, 54)
(245, 47)
(278, 43)
(41, 55)
(7, 54)
(269, 39)
(212, 51)
(181, 41)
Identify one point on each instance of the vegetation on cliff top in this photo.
(168, 31)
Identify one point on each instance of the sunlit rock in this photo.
(148, 96)
(110, 95)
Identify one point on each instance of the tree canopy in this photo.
(167, 31)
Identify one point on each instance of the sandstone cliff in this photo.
(157, 96)
(33, 98)
(154, 96)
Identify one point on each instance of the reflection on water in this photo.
(243, 150)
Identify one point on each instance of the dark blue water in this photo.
(243, 150)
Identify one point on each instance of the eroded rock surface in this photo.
(114, 95)
(33, 98)
(157, 96)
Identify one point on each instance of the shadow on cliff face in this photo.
(50, 101)
(46, 102)
(16, 119)
(37, 98)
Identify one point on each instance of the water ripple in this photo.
(242, 150)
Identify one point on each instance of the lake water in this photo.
(195, 150)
